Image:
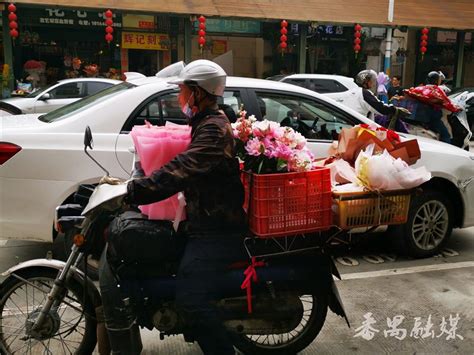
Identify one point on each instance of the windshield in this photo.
(66, 111)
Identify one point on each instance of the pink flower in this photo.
(255, 147)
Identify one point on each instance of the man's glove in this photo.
(110, 180)
(403, 112)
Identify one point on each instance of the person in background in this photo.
(395, 88)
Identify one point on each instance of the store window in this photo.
(68, 91)
(311, 118)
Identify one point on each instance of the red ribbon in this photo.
(250, 276)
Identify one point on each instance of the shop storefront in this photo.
(67, 42)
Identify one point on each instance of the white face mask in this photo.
(187, 110)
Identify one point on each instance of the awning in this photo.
(447, 14)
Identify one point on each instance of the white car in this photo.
(42, 160)
(57, 95)
(333, 86)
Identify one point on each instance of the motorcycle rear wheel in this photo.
(312, 320)
(69, 330)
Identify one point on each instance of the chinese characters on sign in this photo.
(420, 330)
(143, 40)
(50, 16)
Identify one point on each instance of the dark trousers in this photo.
(199, 278)
(120, 318)
(436, 124)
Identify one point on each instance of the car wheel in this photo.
(429, 225)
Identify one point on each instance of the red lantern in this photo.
(202, 32)
(12, 18)
(109, 22)
(357, 41)
(283, 37)
(424, 41)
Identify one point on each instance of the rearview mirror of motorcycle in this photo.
(89, 143)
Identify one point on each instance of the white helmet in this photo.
(203, 73)
(365, 76)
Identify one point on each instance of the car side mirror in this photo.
(45, 97)
(88, 141)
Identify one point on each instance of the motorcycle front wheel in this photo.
(69, 329)
(314, 315)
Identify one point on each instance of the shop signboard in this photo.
(66, 17)
(219, 46)
(144, 22)
(145, 40)
(231, 26)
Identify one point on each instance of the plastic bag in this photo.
(384, 172)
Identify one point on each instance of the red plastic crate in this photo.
(280, 205)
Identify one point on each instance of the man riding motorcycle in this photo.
(208, 174)
(363, 99)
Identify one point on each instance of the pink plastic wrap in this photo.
(156, 146)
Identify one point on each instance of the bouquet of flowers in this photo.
(432, 95)
(265, 147)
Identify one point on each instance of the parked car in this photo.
(52, 97)
(333, 86)
(42, 160)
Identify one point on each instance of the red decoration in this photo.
(202, 32)
(424, 41)
(251, 276)
(12, 18)
(109, 22)
(283, 37)
(357, 41)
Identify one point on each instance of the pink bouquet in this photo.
(156, 146)
(266, 147)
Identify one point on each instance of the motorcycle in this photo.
(50, 306)
(417, 122)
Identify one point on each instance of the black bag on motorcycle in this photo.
(139, 246)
